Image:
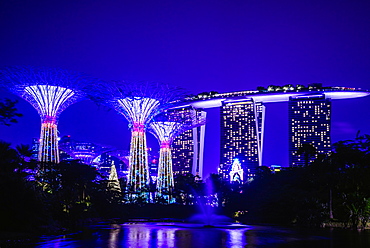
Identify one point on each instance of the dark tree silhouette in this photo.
(8, 158)
(8, 112)
(308, 151)
(24, 151)
(186, 186)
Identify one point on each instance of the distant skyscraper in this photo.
(182, 153)
(309, 122)
(188, 148)
(241, 136)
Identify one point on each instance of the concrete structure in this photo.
(242, 118)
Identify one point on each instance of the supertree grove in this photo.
(49, 91)
(139, 103)
(165, 128)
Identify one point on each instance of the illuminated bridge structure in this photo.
(243, 116)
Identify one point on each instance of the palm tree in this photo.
(24, 151)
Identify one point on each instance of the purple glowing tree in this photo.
(139, 103)
(49, 91)
(165, 128)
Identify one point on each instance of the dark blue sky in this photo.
(199, 45)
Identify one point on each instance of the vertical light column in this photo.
(165, 180)
(138, 178)
(165, 133)
(138, 111)
(48, 149)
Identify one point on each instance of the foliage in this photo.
(334, 187)
(186, 187)
(8, 112)
(22, 201)
(66, 195)
(308, 151)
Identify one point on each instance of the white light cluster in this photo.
(165, 131)
(137, 109)
(48, 99)
(236, 172)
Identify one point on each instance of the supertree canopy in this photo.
(165, 128)
(139, 103)
(49, 91)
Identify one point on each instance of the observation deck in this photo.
(271, 94)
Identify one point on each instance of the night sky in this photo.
(199, 45)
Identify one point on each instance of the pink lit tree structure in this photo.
(165, 128)
(49, 91)
(139, 103)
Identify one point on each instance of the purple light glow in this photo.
(221, 46)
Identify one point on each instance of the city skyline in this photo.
(240, 112)
(203, 46)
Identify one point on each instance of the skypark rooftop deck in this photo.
(278, 94)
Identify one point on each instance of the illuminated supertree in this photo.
(139, 103)
(165, 128)
(49, 91)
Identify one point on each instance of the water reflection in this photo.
(114, 236)
(153, 235)
(202, 237)
(137, 236)
(166, 238)
(236, 238)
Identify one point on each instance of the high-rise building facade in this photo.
(309, 123)
(188, 147)
(242, 125)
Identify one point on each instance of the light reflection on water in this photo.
(153, 235)
(236, 238)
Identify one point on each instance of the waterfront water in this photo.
(152, 235)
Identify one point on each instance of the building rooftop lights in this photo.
(271, 94)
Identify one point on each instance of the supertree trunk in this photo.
(165, 181)
(138, 179)
(48, 149)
